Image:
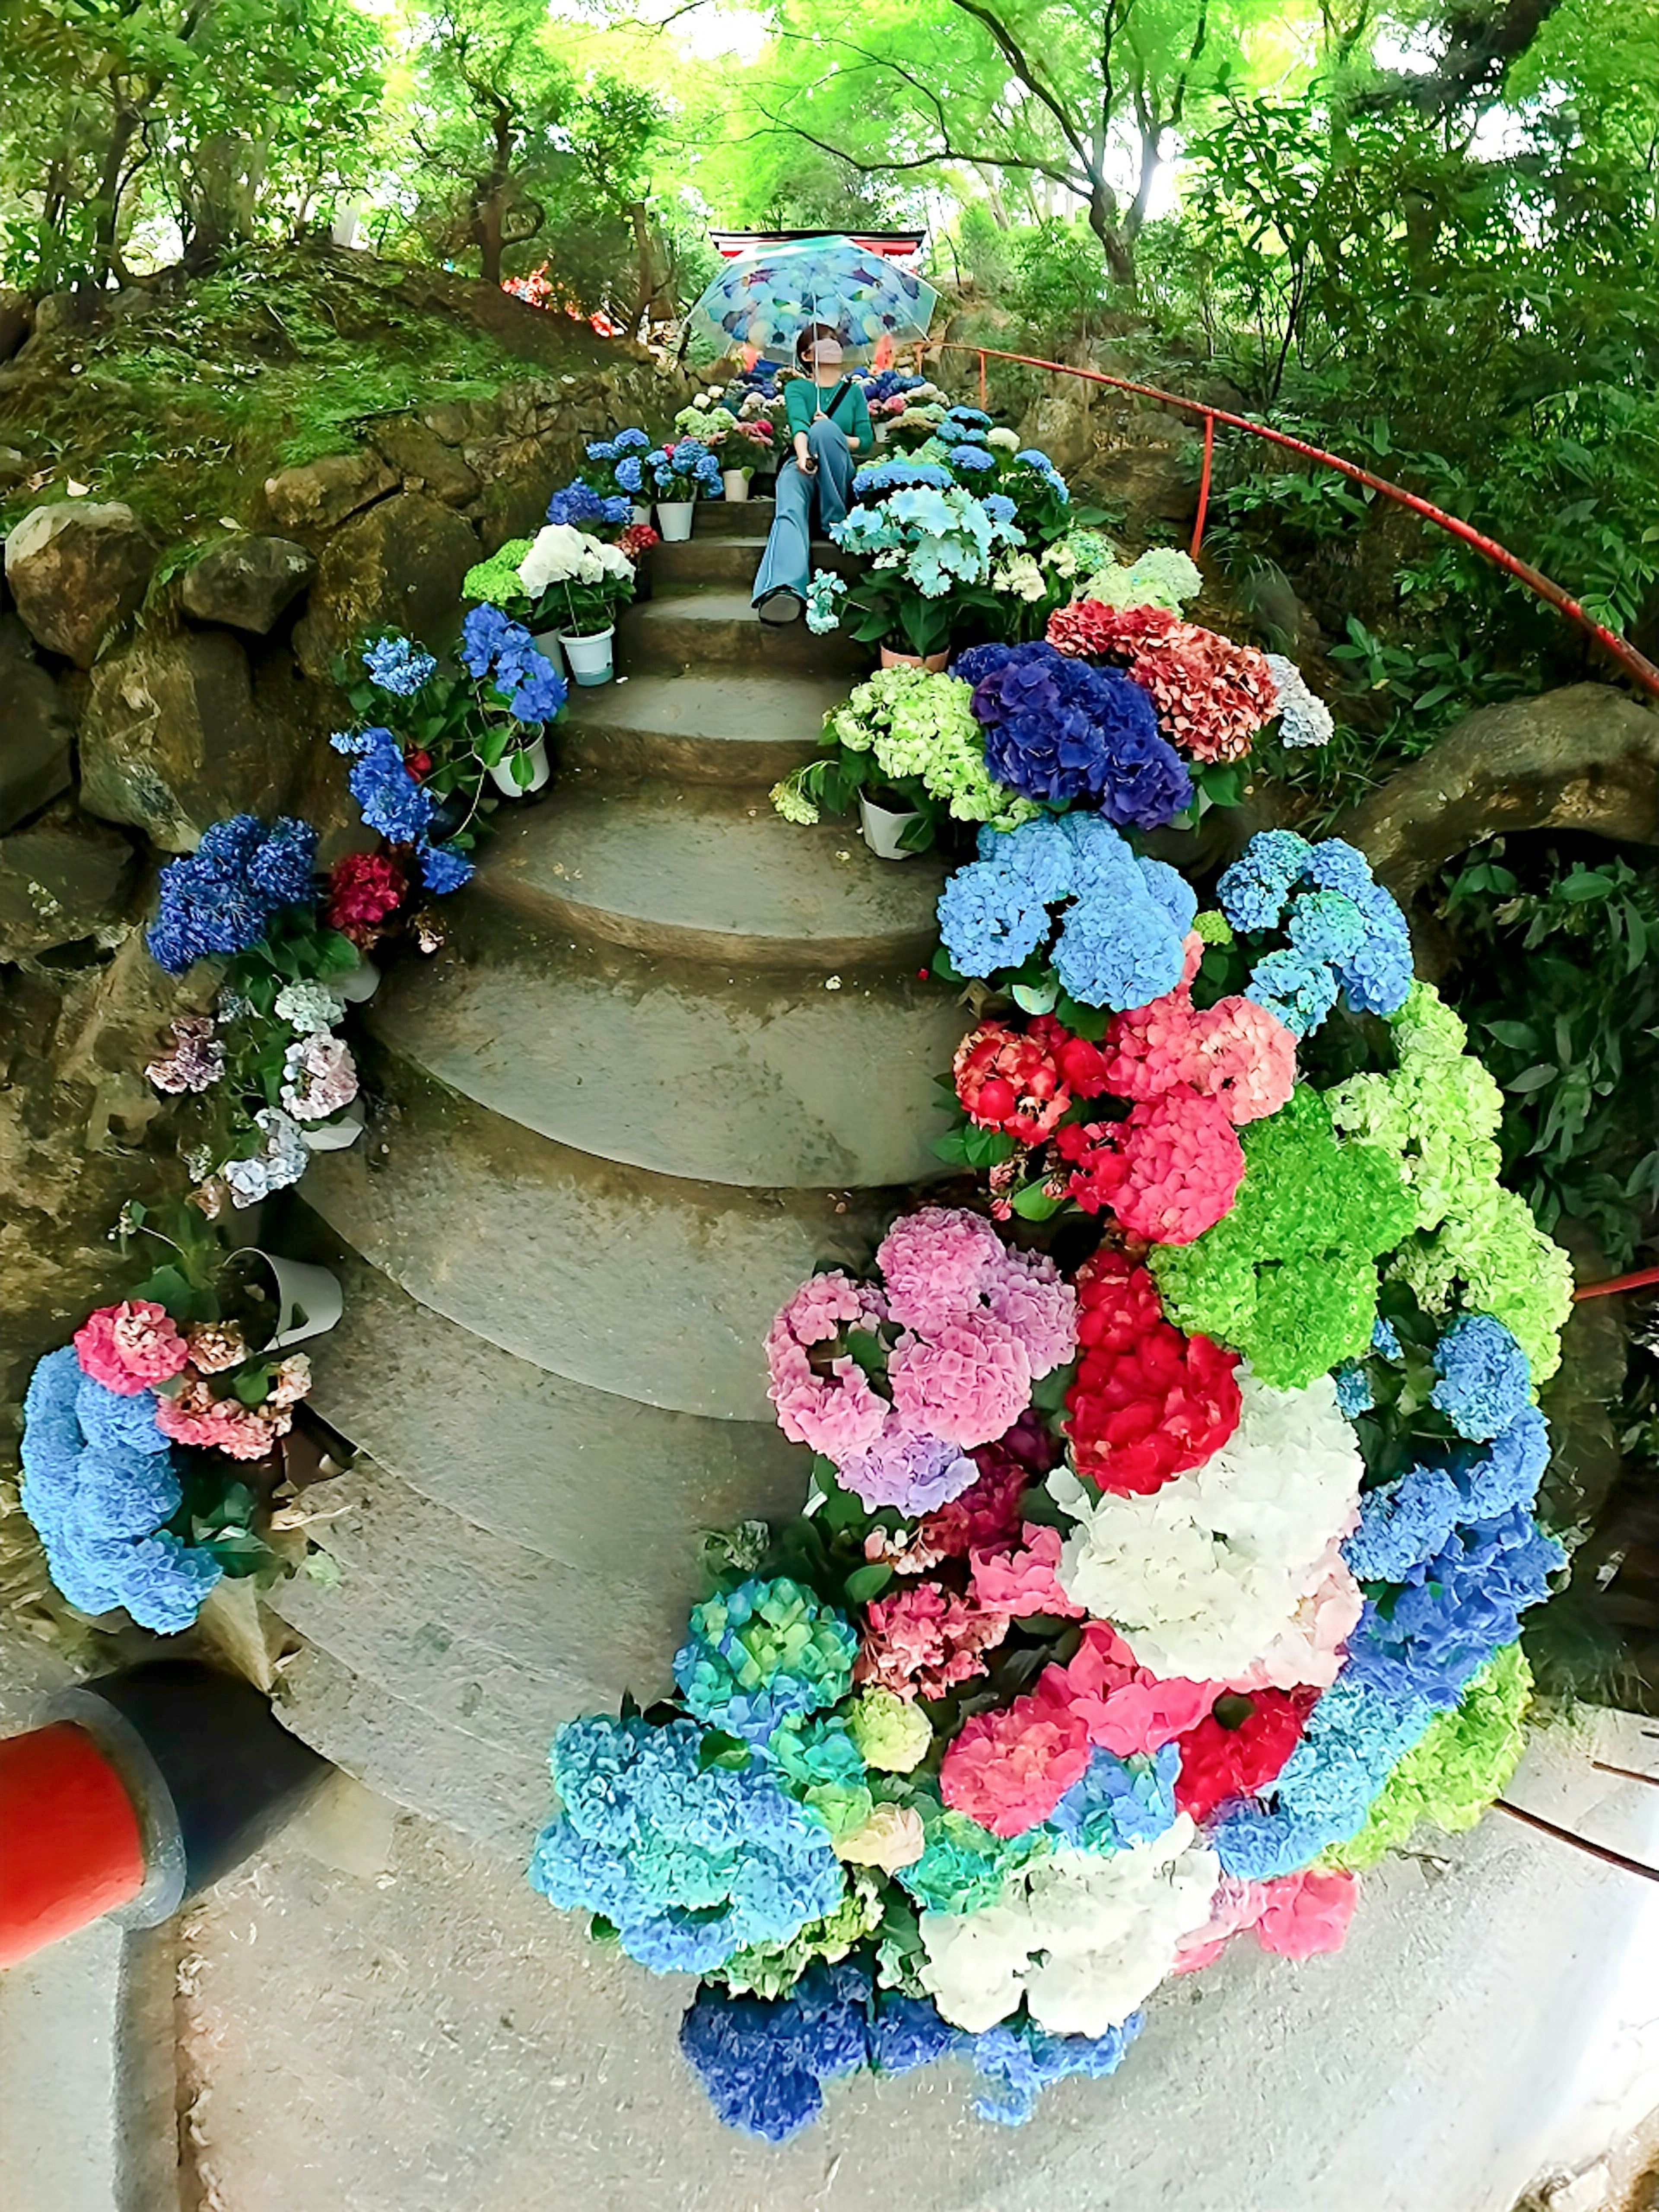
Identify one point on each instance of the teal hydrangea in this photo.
(762, 1653)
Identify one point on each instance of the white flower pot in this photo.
(735, 482)
(546, 642)
(358, 984)
(674, 520)
(335, 1136)
(591, 658)
(641, 512)
(309, 1300)
(883, 829)
(536, 753)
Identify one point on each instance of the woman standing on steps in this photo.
(829, 423)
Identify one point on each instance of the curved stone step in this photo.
(727, 518)
(647, 1286)
(715, 627)
(705, 874)
(699, 729)
(734, 561)
(755, 1077)
(618, 1490)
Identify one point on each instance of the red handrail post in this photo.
(982, 386)
(1204, 484)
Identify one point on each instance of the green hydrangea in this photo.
(1455, 1769)
(1477, 1246)
(1212, 927)
(769, 1970)
(964, 1866)
(496, 582)
(1162, 576)
(918, 723)
(819, 1762)
(893, 1733)
(763, 1654)
(1288, 1276)
(789, 799)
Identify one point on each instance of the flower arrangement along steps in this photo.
(637, 1110)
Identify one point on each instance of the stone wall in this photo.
(141, 697)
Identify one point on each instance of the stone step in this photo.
(616, 1491)
(753, 1076)
(708, 629)
(728, 518)
(698, 729)
(706, 874)
(733, 561)
(500, 1797)
(647, 1286)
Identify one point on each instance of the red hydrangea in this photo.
(1209, 695)
(1169, 1172)
(1148, 1402)
(924, 1640)
(986, 1513)
(363, 889)
(1082, 1065)
(1239, 1747)
(1008, 1769)
(1009, 1082)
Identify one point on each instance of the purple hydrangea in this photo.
(1058, 729)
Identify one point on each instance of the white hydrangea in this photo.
(1005, 441)
(562, 554)
(1304, 719)
(1082, 1936)
(1204, 1574)
(1020, 574)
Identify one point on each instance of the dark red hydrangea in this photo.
(987, 1516)
(363, 889)
(1239, 1747)
(1148, 1402)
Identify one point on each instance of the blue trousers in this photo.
(788, 559)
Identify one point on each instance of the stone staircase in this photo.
(675, 1055)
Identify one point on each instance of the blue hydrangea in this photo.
(1485, 1383)
(220, 900)
(764, 1653)
(100, 1483)
(1355, 1735)
(1346, 935)
(908, 2032)
(1021, 2060)
(1000, 508)
(1118, 1801)
(578, 502)
(688, 1866)
(505, 652)
(388, 796)
(970, 418)
(1457, 1608)
(878, 479)
(1121, 938)
(1384, 1340)
(970, 460)
(1057, 729)
(1353, 1390)
(443, 869)
(762, 2063)
(1404, 1524)
(398, 665)
(630, 475)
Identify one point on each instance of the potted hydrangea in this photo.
(577, 583)
(683, 473)
(931, 545)
(619, 466)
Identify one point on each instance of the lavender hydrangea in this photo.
(220, 899)
(1058, 729)
(907, 1470)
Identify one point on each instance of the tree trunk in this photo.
(1103, 221)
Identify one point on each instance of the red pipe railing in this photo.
(1638, 1281)
(1635, 665)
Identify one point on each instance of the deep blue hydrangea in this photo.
(1355, 1735)
(398, 665)
(1485, 1383)
(1119, 1801)
(1021, 2060)
(219, 899)
(482, 633)
(1057, 729)
(100, 1483)
(762, 2063)
(690, 1866)
(1457, 1609)
(1345, 933)
(443, 869)
(1404, 1524)
(908, 2032)
(1121, 938)
(578, 502)
(388, 796)
(630, 475)
(505, 652)
(762, 1653)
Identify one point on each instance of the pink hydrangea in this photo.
(1027, 1293)
(968, 1383)
(937, 1264)
(1125, 1707)
(319, 1077)
(129, 1347)
(905, 1469)
(1008, 1769)
(1234, 1051)
(924, 1640)
(829, 1404)
(1169, 1172)
(1024, 1582)
(197, 1061)
(196, 1416)
(1295, 1915)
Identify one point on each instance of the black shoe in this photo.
(781, 606)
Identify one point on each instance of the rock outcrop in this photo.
(247, 583)
(76, 569)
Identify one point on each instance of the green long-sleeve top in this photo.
(802, 399)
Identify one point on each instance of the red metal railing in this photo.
(1635, 665)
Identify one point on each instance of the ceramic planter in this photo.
(309, 1300)
(591, 662)
(546, 642)
(335, 1136)
(932, 662)
(882, 829)
(358, 983)
(536, 753)
(735, 482)
(674, 520)
(641, 511)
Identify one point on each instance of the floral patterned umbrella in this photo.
(765, 298)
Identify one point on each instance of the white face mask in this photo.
(826, 357)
